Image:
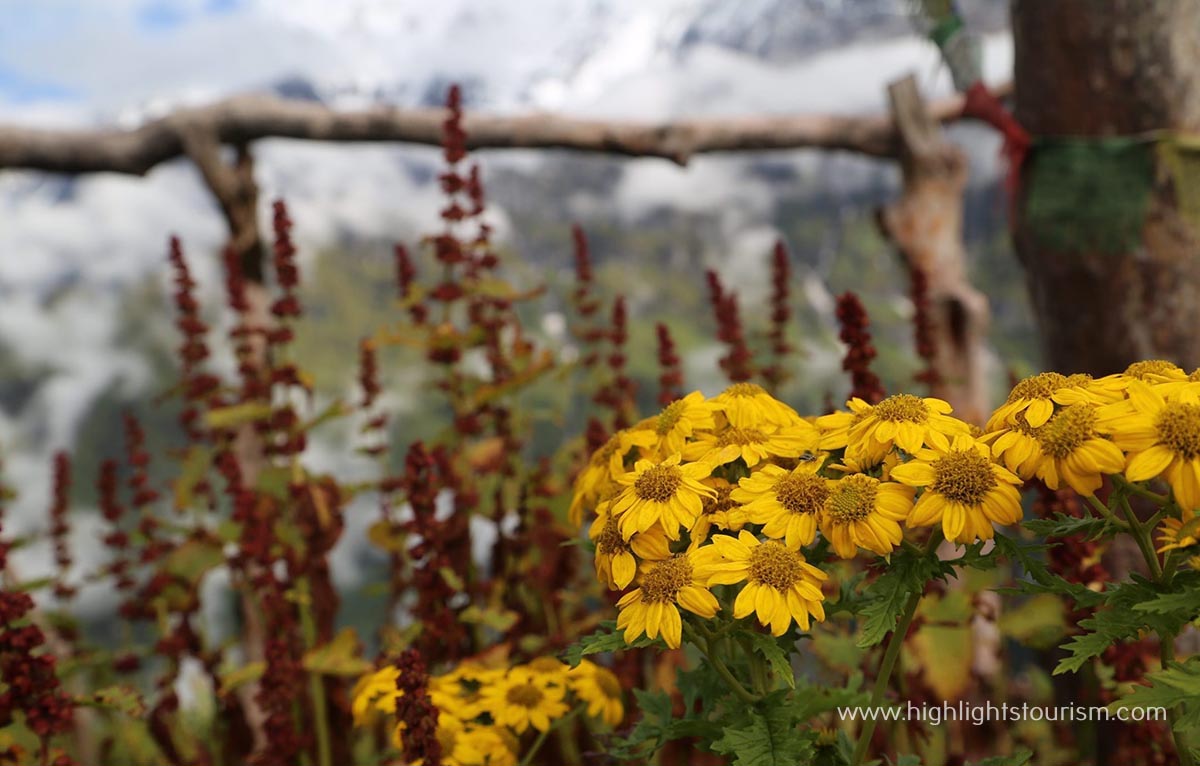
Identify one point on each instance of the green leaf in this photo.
(775, 655)
(1042, 579)
(908, 574)
(605, 639)
(236, 415)
(1019, 758)
(1117, 621)
(194, 558)
(1174, 685)
(339, 657)
(191, 473)
(1062, 525)
(122, 699)
(766, 735)
(248, 673)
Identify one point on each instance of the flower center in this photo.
(669, 417)
(1068, 430)
(745, 390)
(658, 483)
(722, 502)
(851, 499)
(1152, 369)
(1040, 386)
(740, 437)
(964, 476)
(1178, 426)
(610, 541)
(524, 695)
(773, 564)
(902, 408)
(802, 494)
(663, 583)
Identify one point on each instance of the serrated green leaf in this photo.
(776, 657)
(1174, 685)
(1183, 604)
(605, 639)
(1062, 525)
(767, 735)
(907, 574)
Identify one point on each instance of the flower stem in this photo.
(705, 646)
(541, 737)
(1106, 512)
(1137, 489)
(890, 655)
(1142, 538)
(316, 687)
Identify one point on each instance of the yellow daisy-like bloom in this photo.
(1035, 397)
(780, 585)
(722, 512)
(1155, 371)
(652, 607)
(599, 688)
(679, 420)
(1075, 451)
(862, 511)
(747, 405)
(964, 490)
(1179, 533)
(375, 693)
(615, 561)
(753, 445)
(666, 493)
(598, 477)
(834, 428)
(1017, 446)
(906, 421)
(1161, 437)
(787, 503)
(522, 699)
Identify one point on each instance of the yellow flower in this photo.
(466, 745)
(375, 693)
(787, 503)
(1035, 397)
(964, 490)
(753, 445)
(522, 699)
(780, 585)
(722, 512)
(747, 405)
(1074, 450)
(550, 670)
(1016, 444)
(600, 690)
(665, 493)
(679, 420)
(1155, 371)
(862, 511)
(615, 561)
(903, 420)
(1161, 437)
(834, 428)
(1179, 534)
(652, 607)
(598, 478)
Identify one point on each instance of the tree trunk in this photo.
(1112, 68)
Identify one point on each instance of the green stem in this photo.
(1137, 489)
(1142, 538)
(316, 688)
(890, 655)
(542, 735)
(1106, 512)
(706, 648)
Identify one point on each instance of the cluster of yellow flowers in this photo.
(729, 490)
(1143, 423)
(484, 711)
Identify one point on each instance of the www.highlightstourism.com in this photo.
(980, 714)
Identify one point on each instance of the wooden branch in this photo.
(243, 119)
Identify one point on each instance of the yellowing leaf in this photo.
(387, 536)
(237, 415)
(248, 673)
(339, 657)
(195, 465)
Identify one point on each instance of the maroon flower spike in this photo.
(854, 322)
(287, 306)
(368, 372)
(198, 385)
(416, 712)
(781, 312)
(738, 361)
(618, 394)
(923, 327)
(454, 138)
(60, 526)
(670, 380)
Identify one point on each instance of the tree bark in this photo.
(1113, 68)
